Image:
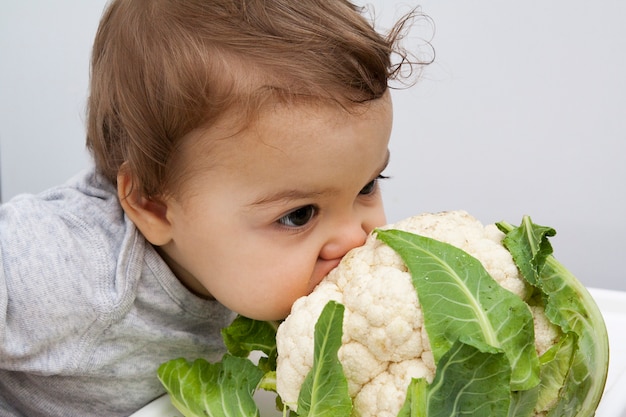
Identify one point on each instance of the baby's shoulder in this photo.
(71, 234)
(84, 212)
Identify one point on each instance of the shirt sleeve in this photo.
(48, 284)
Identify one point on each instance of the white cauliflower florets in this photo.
(384, 344)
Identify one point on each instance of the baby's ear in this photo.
(147, 213)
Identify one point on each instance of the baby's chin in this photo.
(276, 312)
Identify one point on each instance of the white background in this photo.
(523, 112)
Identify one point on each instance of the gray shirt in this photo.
(88, 309)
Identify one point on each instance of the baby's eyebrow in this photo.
(285, 196)
(289, 195)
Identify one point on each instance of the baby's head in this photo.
(246, 138)
(162, 69)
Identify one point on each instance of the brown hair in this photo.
(162, 68)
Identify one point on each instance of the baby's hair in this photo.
(162, 68)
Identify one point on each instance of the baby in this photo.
(238, 146)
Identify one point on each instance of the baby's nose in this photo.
(343, 239)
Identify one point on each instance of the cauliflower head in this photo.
(384, 343)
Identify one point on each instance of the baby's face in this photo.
(266, 213)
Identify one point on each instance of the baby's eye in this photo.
(370, 187)
(298, 217)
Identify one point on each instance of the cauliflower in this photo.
(385, 344)
(436, 315)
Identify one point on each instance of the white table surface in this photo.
(613, 403)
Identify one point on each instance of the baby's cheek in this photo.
(281, 297)
(278, 283)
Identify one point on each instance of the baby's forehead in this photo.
(276, 121)
(265, 104)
